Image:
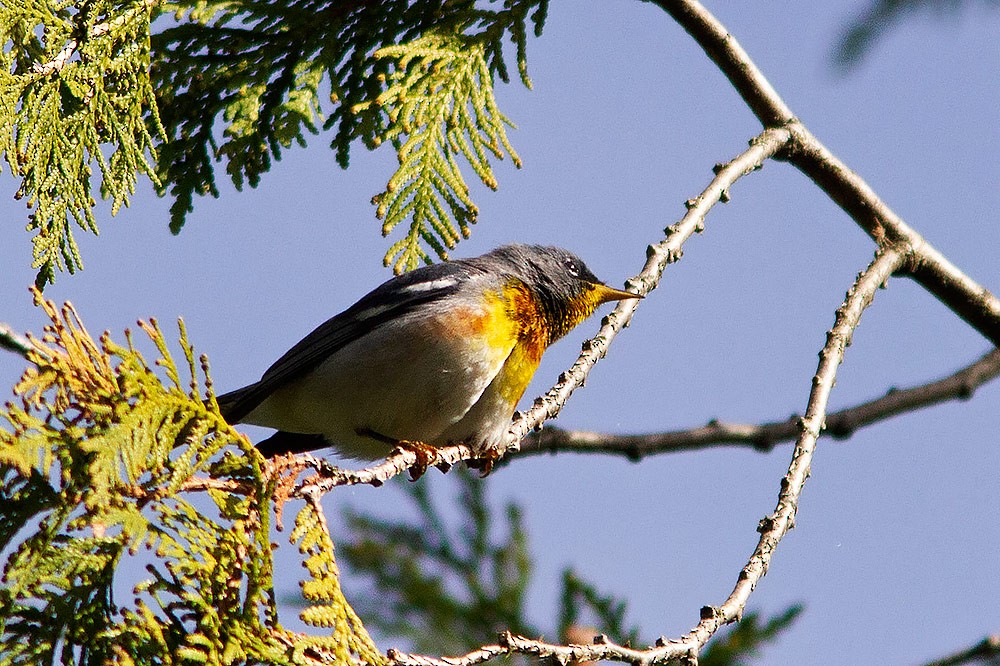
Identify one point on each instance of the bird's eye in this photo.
(571, 267)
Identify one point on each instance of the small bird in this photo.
(436, 356)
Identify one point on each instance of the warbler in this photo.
(436, 356)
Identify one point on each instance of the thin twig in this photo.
(960, 385)
(774, 527)
(988, 648)
(329, 476)
(70, 47)
(15, 342)
(762, 147)
(667, 251)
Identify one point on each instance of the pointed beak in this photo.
(605, 293)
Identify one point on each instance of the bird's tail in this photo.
(236, 405)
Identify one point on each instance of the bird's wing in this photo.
(391, 300)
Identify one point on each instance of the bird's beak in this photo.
(604, 293)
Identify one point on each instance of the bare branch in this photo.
(15, 342)
(727, 54)
(563, 654)
(774, 527)
(667, 251)
(960, 385)
(329, 476)
(970, 301)
(966, 298)
(988, 648)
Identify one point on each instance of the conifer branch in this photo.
(13, 341)
(89, 102)
(99, 30)
(985, 650)
(842, 424)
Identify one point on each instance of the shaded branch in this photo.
(960, 385)
(13, 341)
(988, 648)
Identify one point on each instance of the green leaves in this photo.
(74, 91)
(98, 462)
(415, 74)
(237, 82)
(439, 105)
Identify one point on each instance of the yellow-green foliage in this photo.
(237, 82)
(102, 462)
(74, 91)
(440, 105)
(350, 642)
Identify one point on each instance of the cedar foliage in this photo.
(236, 82)
(99, 462)
(107, 460)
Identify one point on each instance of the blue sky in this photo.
(895, 549)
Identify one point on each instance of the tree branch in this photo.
(960, 385)
(988, 648)
(15, 342)
(762, 147)
(667, 251)
(970, 301)
(727, 54)
(772, 528)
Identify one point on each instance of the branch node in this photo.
(765, 524)
(710, 612)
(764, 443)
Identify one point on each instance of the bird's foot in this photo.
(425, 453)
(484, 463)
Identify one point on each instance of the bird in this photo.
(436, 356)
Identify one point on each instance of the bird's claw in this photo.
(484, 464)
(425, 454)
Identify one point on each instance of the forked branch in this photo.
(772, 528)
(969, 300)
(667, 251)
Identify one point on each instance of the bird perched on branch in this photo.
(436, 356)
